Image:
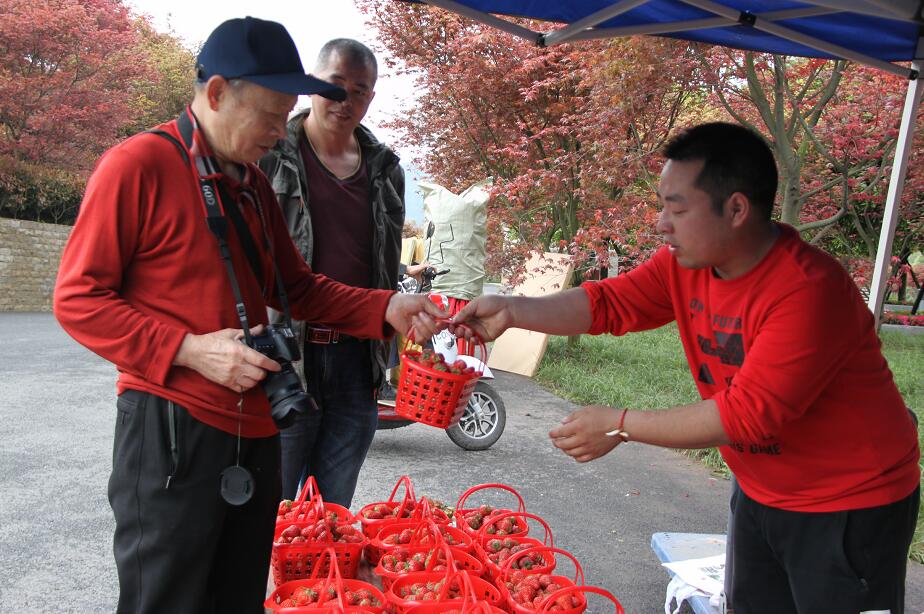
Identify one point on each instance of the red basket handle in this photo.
(314, 510)
(506, 563)
(548, 539)
(424, 528)
(333, 575)
(470, 602)
(309, 490)
(548, 601)
(451, 573)
(408, 494)
(461, 504)
(332, 556)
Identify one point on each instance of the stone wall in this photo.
(29, 256)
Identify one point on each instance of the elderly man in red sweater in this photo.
(178, 249)
(796, 393)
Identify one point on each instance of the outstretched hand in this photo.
(582, 434)
(486, 316)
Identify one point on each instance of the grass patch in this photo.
(649, 370)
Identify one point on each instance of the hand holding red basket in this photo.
(428, 392)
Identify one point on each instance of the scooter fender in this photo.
(471, 361)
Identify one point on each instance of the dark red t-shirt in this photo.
(341, 221)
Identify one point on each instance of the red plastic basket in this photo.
(483, 539)
(371, 526)
(507, 577)
(326, 602)
(461, 511)
(463, 562)
(429, 396)
(480, 588)
(471, 604)
(423, 531)
(301, 507)
(295, 561)
(547, 603)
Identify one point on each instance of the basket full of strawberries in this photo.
(432, 391)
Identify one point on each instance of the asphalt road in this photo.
(57, 406)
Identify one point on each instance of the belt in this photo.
(324, 336)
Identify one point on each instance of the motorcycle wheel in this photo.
(483, 421)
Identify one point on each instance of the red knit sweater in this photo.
(141, 270)
(790, 355)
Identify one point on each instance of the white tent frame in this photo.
(585, 29)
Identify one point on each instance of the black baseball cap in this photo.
(261, 52)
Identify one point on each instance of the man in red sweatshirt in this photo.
(178, 249)
(796, 393)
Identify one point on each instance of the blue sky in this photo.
(413, 201)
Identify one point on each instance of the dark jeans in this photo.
(331, 444)
(837, 562)
(178, 546)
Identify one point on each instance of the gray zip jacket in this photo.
(286, 171)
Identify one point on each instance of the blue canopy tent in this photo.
(877, 33)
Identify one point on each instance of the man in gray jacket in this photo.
(342, 194)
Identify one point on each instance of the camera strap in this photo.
(213, 194)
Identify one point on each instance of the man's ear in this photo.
(216, 90)
(739, 209)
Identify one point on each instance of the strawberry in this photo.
(291, 531)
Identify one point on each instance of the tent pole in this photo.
(568, 32)
(488, 19)
(894, 196)
(792, 35)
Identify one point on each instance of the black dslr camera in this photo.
(283, 388)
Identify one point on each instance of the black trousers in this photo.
(178, 546)
(833, 563)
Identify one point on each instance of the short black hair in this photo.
(353, 51)
(735, 159)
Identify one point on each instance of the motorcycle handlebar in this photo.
(432, 273)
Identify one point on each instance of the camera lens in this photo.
(284, 391)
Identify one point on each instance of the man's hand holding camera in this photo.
(222, 358)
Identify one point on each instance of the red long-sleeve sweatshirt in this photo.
(790, 355)
(141, 269)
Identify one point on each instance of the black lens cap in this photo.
(236, 485)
